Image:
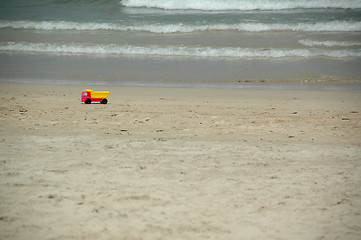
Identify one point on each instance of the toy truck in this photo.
(91, 96)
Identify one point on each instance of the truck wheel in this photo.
(88, 101)
(104, 101)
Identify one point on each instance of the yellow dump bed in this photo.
(98, 94)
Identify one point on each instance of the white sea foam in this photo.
(60, 25)
(313, 43)
(172, 51)
(221, 5)
(332, 26)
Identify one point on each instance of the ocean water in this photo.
(179, 42)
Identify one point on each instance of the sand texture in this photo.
(179, 164)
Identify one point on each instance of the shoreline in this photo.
(182, 72)
(323, 84)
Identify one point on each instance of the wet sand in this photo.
(179, 163)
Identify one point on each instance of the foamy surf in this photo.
(315, 43)
(223, 5)
(172, 51)
(332, 26)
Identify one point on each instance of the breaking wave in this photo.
(171, 51)
(312, 43)
(332, 26)
(222, 5)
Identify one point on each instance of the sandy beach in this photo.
(178, 163)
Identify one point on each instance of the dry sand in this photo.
(179, 164)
